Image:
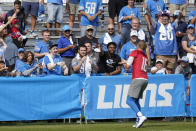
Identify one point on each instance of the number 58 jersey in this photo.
(140, 62)
(91, 7)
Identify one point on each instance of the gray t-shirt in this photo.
(94, 58)
(187, 71)
(75, 62)
(11, 52)
(189, 42)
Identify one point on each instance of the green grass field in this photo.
(150, 125)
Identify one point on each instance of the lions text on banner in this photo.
(106, 97)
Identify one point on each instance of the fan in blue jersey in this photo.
(155, 7)
(53, 63)
(90, 10)
(19, 61)
(165, 47)
(29, 67)
(41, 48)
(127, 13)
(128, 48)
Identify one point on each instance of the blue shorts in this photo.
(55, 13)
(31, 8)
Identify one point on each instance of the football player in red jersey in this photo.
(138, 60)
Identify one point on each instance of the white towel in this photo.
(191, 56)
(107, 39)
(141, 34)
(50, 59)
(162, 29)
(71, 40)
(86, 65)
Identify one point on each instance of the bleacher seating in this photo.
(41, 25)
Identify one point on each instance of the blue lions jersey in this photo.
(165, 43)
(90, 7)
(126, 11)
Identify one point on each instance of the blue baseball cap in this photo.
(185, 59)
(21, 50)
(190, 25)
(65, 28)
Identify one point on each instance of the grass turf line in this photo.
(100, 126)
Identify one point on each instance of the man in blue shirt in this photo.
(55, 13)
(165, 47)
(128, 48)
(178, 5)
(19, 61)
(127, 13)
(41, 48)
(108, 37)
(66, 47)
(90, 10)
(53, 63)
(72, 8)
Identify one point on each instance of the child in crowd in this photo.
(170, 71)
(158, 68)
(16, 34)
(184, 68)
(4, 70)
(3, 47)
(19, 61)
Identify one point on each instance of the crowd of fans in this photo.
(171, 45)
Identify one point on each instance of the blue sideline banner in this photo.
(106, 97)
(193, 95)
(39, 98)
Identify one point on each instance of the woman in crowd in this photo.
(30, 67)
(189, 44)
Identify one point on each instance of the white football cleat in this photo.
(142, 119)
(137, 119)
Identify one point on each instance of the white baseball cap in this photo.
(159, 60)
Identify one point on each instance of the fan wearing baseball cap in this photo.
(66, 46)
(165, 45)
(158, 68)
(16, 34)
(184, 68)
(128, 48)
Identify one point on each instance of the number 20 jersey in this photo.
(139, 64)
(165, 40)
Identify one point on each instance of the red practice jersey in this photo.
(15, 33)
(139, 64)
